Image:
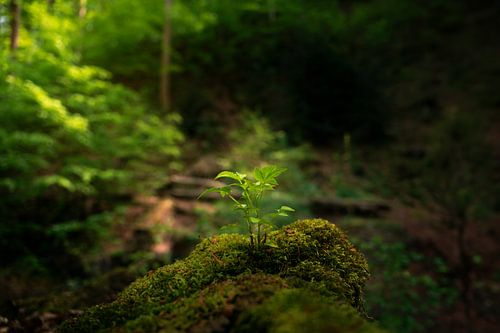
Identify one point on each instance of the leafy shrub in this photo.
(71, 141)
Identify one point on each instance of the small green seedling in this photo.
(252, 191)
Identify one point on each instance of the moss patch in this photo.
(215, 308)
(302, 311)
(209, 288)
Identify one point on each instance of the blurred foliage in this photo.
(317, 69)
(233, 53)
(403, 300)
(252, 144)
(345, 181)
(80, 133)
(455, 174)
(71, 141)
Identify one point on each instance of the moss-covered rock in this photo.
(302, 311)
(223, 286)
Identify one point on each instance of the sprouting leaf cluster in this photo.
(247, 196)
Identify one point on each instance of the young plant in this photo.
(252, 191)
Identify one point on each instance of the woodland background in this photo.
(114, 115)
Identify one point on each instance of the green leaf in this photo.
(254, 219)
(223, 191)
(240, 177)
(272, 171)
(272, 244)
(258, 175)
(229, 174)
(268, 174)
(252, 190)
(270, 216)
(241, 206)
(270, 186)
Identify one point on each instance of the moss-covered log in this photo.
(313, 270)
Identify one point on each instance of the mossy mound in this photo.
(303, 311)
(224, 286)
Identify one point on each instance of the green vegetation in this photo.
(258, 222)
(312, 255)
(116, 114)
(70, 137)
(296, 310)
(401, 299)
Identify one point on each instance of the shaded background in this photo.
(385, 113)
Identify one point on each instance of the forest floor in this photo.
(162, 228)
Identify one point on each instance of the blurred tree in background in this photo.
(225, 55)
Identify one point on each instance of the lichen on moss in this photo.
(200, 291)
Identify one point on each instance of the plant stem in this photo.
(258, 233)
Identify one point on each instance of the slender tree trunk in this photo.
(465, 262)
(272, 10)
(15, 23)
(50, 5)
(165, 93)
(82, 8)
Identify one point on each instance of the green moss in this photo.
(310, 254)
(318, 251)
(302, 311)
(215, 308)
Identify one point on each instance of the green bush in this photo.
(71, 142)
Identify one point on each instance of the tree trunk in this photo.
(465, 262)
(15, 23)
(82, 8)
(165, 94)
(272, 10)
(50, 5)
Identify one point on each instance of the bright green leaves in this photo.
(255, 220)
(232, 175)
(287, 209)
(249, 203)
(268, 174)
(284, 210)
